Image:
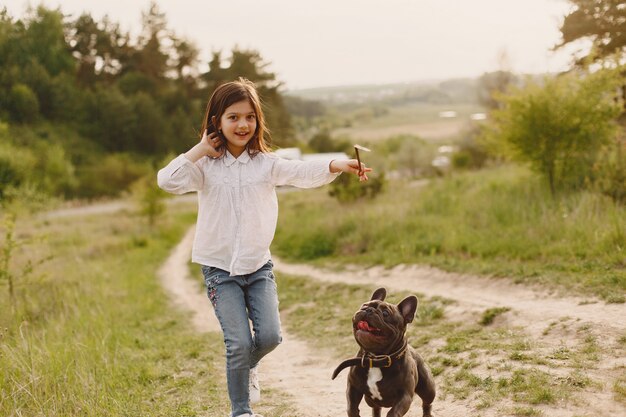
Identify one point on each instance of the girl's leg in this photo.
(227, 296)
(262, 303)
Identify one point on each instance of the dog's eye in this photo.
(385, 313)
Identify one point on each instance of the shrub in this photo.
(348, 188)
(24, 105)
(559, 126)
(109, 176)
(610, 171)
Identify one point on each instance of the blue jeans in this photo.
(239, 300)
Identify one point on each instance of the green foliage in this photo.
(498, 222)
(16, 166)
(39, 168)
(323, 142)
(348, 188)
(111, 119)
(119, 171)
(149, 137)
(610, 171)
(558, 127)
(24, 105)
(12, 275)
(471, 153)
(139, 95)
(414, 157)
(491, 313)
(149, 197)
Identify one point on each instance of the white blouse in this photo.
(237, 204)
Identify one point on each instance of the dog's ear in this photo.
(379, 294)
(407, 308)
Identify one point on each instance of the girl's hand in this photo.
(350, 166)
(211, 143)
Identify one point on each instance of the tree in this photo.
(558, 127)
(602, 21)
(45, 41)
(100, 49)
(23, 104)
(151, 59)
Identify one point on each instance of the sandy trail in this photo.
(532, 309)
(292, 368)
(304, 374)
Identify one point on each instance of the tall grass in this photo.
(500, 222)
(95, 337)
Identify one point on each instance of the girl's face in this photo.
(238, 124)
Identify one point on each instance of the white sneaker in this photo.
(254, 388)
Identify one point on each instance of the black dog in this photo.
(387, 371)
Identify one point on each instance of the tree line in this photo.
(91, 89)
(140, 94)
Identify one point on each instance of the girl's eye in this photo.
(251, 117)
(232, 117)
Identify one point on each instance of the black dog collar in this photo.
(369, 360)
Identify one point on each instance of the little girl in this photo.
(235, 176)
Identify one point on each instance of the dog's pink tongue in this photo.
(362, 325)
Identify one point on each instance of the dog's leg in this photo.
(401, 407)
(354, 399)
(376, 412)
(425, 385)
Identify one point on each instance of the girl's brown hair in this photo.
(225, 96)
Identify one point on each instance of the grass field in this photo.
(500, 222)
(92, 334)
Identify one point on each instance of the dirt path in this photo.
(531, 309)
(293, 368)
(304, 374)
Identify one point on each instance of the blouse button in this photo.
(226, 179)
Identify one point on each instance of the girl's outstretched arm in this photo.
(350, 166)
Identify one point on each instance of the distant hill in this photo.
(461, 90)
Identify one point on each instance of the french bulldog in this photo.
(387, 371)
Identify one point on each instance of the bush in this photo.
(347, 188)
(23, 104)
(610, 171)
(16, 165)
(109, 176)
(558, 127)
(471, 153)
(149, 198)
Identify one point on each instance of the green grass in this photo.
(93, 334)
(491, 313)
(500, 222)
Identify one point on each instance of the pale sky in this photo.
(342, 42)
